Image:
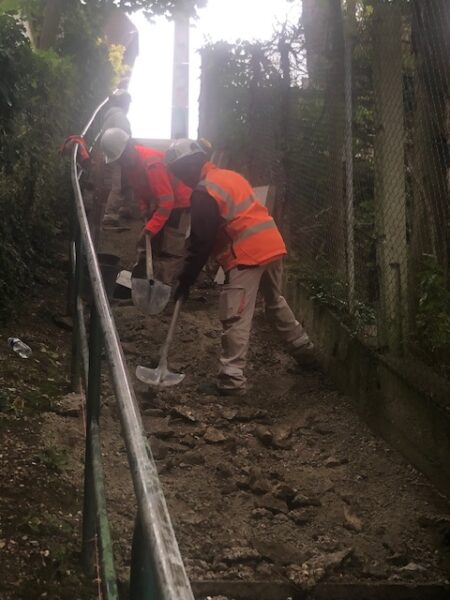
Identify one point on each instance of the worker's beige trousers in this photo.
(236, 308)
(115, 198)
(170, 246)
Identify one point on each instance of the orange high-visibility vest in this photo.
(249, 235)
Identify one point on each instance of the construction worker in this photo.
(164, 202)
(115, 115)
(228, 222)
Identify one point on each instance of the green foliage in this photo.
(13, 5)
(54, 458)
(150, 7)
(40, 104)
(332, 292)
(115, 57)
(433, 312)
(263, 117)
(158, 7)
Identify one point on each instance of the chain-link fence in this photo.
(347, 113)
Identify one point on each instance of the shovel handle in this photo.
(173, 322)
(148, 257)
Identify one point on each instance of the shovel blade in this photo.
(150, 297)
(158, 377)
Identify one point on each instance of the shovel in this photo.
(149, 295)
(161, 376)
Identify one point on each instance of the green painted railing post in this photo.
(143, 585)
(75, 371)
(92, 418)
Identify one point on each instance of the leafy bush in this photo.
(433, 313)
(43, 98)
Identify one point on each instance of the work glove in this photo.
(83, 157)
(181, 292)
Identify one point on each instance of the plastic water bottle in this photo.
(18, 346)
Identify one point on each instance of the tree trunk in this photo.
(316, 24)
(335, 136)
(50, 25)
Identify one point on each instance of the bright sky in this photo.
(151, 83)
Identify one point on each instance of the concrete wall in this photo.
(400, 400)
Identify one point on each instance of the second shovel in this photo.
(161, 376)
(149, 295)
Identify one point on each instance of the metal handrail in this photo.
(159, 572)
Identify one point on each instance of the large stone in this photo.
(160, 428)
(332, 461)
(302, 516)
(159, 449)
(193, 458)
(240, 554)
(300, 501)
(310, 573)
(264, 434)
(276, 436)
(352, 521)
(229, 413)
(184, 413)
(275, 505)
(284, 491)
(214, 436)
(278, 552)
(70, 405)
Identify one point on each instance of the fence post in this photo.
(92, 418)
(75, 289)
(390, 192)
(143, 585)
(349, 32)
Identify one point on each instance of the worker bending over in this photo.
(229, 222)
(163, 200)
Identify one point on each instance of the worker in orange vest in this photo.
(163, 200)
(229, 222)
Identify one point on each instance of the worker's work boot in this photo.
(212, 389)
(304, 353)
(111, 220)
(237, 392)
(125, 213)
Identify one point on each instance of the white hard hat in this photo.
(113, 143)
(181, 148)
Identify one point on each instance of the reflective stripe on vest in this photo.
(152, 160)
(233, 208)
(164, 211)
(165, 197)
(255, 229)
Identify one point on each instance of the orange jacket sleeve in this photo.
(163, 195)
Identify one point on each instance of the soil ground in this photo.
(284, 484)
(40, 500)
